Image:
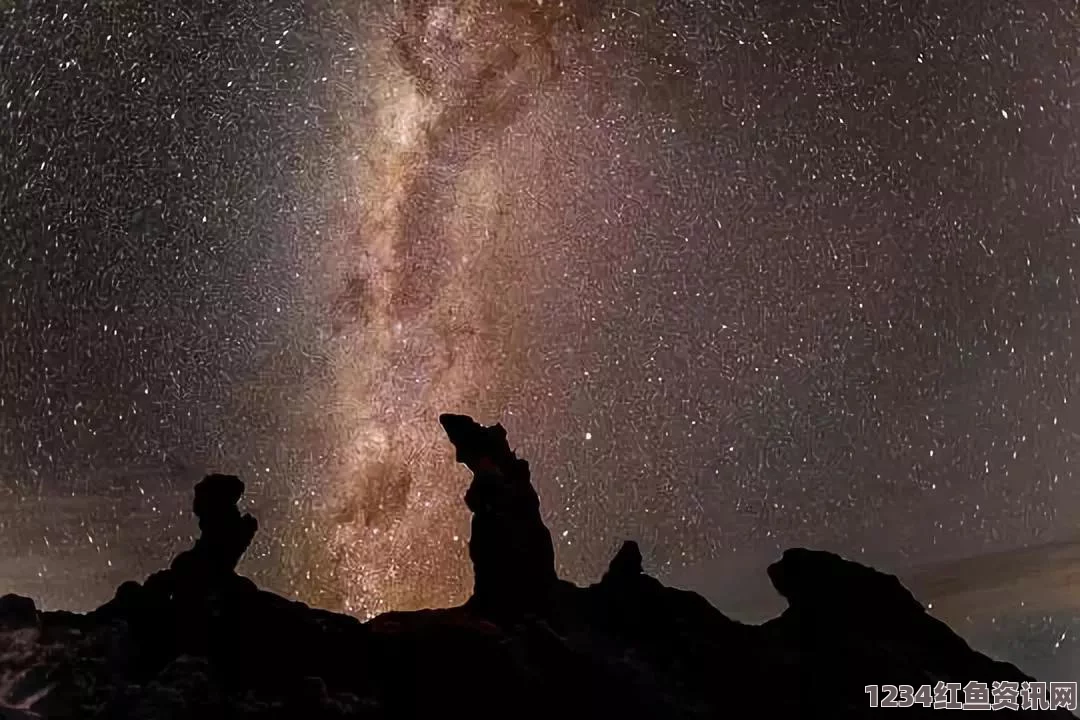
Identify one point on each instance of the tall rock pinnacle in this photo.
(511, 550)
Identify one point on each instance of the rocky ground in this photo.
(198, 641)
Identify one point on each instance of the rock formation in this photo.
(510, 547)
(224, 533)
(626, 565)
(198, 641)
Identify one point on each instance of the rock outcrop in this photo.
(198, 641)
(510, 547)
(224, 533)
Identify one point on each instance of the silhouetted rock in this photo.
(625, 565)
(17, 612)
(511, 550)
(198, 641)
(225, 534)
(825, 583)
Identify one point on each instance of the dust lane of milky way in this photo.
(426, 273)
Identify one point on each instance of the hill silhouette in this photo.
(197, 640)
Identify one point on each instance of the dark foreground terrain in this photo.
(198, 641)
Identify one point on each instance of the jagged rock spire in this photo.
(510, 547)
(625, 565)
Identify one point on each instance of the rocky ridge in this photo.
(199, 641)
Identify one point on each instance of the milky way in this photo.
(735, 277)
(423, 274)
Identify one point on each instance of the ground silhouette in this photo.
(199, 641)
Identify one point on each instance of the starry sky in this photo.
(735, 276)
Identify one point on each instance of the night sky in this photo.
(736, 277)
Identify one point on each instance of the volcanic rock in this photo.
(198, 641)
(511, 550)
(225, 534)
(17, 612)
